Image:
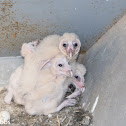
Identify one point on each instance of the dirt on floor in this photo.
(70, 116)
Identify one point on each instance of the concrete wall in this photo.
(25, 20)
(106, 77)
(7, 66)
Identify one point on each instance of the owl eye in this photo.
(76, 77)
(33, 45)
(60, 65)
(64, 45)
(75, 45)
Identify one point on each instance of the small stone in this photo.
(5, 115)
(87, 117)
(49, 116)
(87, 120)
(91, 125)
(40, 119)
(12, 120)
(23, 124)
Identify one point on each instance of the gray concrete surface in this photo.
(106, 77)
(7, 66)
(27, 20)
